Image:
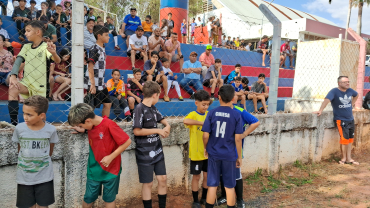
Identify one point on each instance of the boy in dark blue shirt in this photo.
(239, 91)
(222, 139)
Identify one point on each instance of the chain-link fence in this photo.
(182, 47)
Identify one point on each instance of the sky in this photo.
(336, 11)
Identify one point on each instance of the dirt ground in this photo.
(324, 184)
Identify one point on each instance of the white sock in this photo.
(115, 41)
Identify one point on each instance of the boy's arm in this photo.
(190, 122)
(167, 127)
(205, 142)
(250, 129)
(51, 148)
(108, 159)
(146, 132)
(238, 144)
(91, 77)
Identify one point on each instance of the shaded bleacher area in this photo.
(251, 68)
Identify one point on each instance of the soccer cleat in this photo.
(240, 204)
(196, 205)
(181, 98)
(221, 200)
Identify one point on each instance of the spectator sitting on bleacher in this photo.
(248, 94)
(239, 91)
(147, 26)
(112, 30)
(52, 7)
(237, 43)
(89, 38)
(99, 18)
(192, 70)
(259, 88)
(236, 73)
(100, 22)
(134, 90)
(33, 9)
(213, 77)
(91, 15)
(21, 15)
(153, 71)
(59, 73)
(6, 35)
(137, 47)
(68, 13)
(224, 42)
(85, 15)
(229, 43)
(207, 60)
(117, 93)
(43, 11)
(156, 43)
(171, 80)
(129, 26)
(262, 48)
(285, 51)
(171, 46)
(7, 61)
(59, 20)
(50, 32)
(248, 47)
(4, 6)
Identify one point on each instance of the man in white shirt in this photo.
(137, 48)
(89, 38)
(248, 47)
(209, 29)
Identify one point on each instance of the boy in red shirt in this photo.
(107, 141)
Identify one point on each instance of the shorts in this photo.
(100, 97)
(192, 34)
(3, 77)
(218, 167)
(29, 195)
(174, 58)
(129, 32)
(146, 171)
(55, 78)
(209, 33)
(94, 189)
(346, 131)
(196, 167)
(183, 34)
(207, 83)
(144, 77)
(140, 96)
(137, 55)
(35, 89)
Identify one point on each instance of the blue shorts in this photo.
(221, 167)
(55, 78)
(3, 77)
(129, 32)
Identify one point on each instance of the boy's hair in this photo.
(150, 88)
(98, 17)
(164, 60)
(245, 80)
(155, 53)
(99, 30)
(79, 113)
(2, 37)
(59, 6)
(238, 79)
(148, 16)
(202, 95)
(64, 52)
(39, 103)
(45, 3)
(227, 93)
(37, 24)
(115, 70)
(238, 65)
(262, 75)
(108, 17)
(100, 21)
(218, 61)
(136, 70)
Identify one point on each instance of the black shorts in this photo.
(183, 34)
(100, 97)
(29, 195)
(137, 55)
(146, 171)
(346, 131)
(196, 167)
(207, 83)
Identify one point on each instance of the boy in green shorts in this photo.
(37, 57)
(36, 140)
(198, 163)
(107, 141)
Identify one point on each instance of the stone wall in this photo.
(279, 140)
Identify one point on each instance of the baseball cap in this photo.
(88, 20)
(139, 28)
(133, 8)
(209, 47)
(193, 53)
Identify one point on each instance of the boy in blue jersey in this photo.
(239, 91)
(223, 148)
(253, 123)
(233, 74)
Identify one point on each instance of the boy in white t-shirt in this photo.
(171, 80)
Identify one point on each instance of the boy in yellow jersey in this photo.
(198, 162)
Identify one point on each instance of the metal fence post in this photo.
(275, 59)
(77, 51)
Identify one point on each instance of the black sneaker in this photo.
(128, 118)
(221, 200)
(196, 205)
(118, 119)
(240, 204)
(203, 202)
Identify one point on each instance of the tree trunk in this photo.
(359, 20)
(348, 18)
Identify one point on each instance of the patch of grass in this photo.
(266, 190)
(299, 181)
(300, 165)
(255, 177)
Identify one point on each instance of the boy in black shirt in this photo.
(134, 90)
(149, 150)
(21, 14)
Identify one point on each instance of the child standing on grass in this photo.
(198, 162)
(222, 139)
(149, 150)
(36, 140)
(107, 141)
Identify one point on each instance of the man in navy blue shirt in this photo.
(129, 25)
(222, 138)
(342, 100)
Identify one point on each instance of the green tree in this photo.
(360, 5)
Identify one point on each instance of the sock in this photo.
(195, 196)
(147, 203)
(230, 206)
(239, 190)
(204, 193)
(115, 41)
(13, 107)
(162, 200)
(127, 111)
(209, 205)
(132, 111)
(212, 95)
(223, 191)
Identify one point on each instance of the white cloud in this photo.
(338, 10)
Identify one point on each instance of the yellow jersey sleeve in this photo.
(191, 116)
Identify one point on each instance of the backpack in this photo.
(366, 103)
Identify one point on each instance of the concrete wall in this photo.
(279, 140)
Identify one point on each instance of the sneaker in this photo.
(166, 99)
(128, 118)
(196, 205)
(203, 201)
(192, 97)
(221, 200)
(240, 204)
(117, 47)
(181, 98)
(118, 119)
